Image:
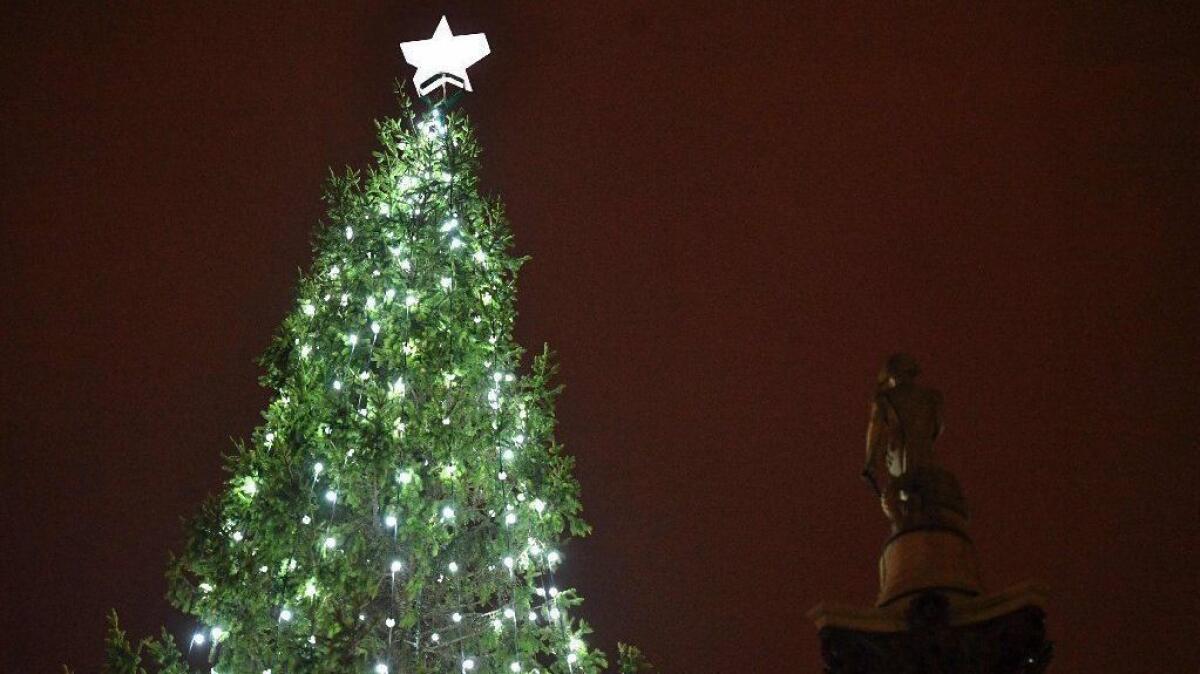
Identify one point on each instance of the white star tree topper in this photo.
(444, 58)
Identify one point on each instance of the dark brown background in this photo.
(735, 212)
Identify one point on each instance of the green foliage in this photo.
(631, 660)
(122, 657)
(404, 502)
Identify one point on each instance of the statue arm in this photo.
(876, 431)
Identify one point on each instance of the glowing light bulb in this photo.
(435, 637)
(446, 282)
(515, 667)
(553, 557)
(337, 385)
(305, 350)
(309, 310)
(217, 633)
(389, 294)
(349, 233)
(447, 513)
(453, 567)
(510, 614)
(532, 616)
(405, 477)
(206, 588)
(410, 300)
(375, 327)
(538, 505)
(250, 486)
(449, 224)
(198, 638)
(468, 665)
(456, 617)
(508, 562)
(317, 468)
(456, 243)
(572, 658)
(554, 613)
(331, 496)
(575, 644)
(396, 566)
(371, 303)
(510, 519)
(306, 520)
(390, 622)
(390, 521)
(237, 536)
(285, 615)
(353, 339)
(330, 543)
(381, 668)
(508, 455)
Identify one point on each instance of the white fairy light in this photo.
(337, 385)
(456, 243)
(375, 327)
(553, 557)
(237, 536)
(331, 496)
(318, 467)
(510, 519)
(532, 616)
(349, 233)
(335, 271)
(508, 563)
(305, 350)
(309, 310)
(353, 339)
(572, 658)
(449, 224)
(198, 638)
(497, 624)
(480, 256)
(405, 477)
(468, 665)
(508, 455)
(385, 209)
(371, 303)
(452, 567)
(575, 644)
(381, 668)
(396, 566)
(435, 637)
(554, 614)
(285, 615)
(446, 282)
(390, 521)
(390, 622)
(515, 667)
(306, 520)
(217, 633)
(410, 300)
(510, 614)
(206, 588)
(538, 505)
(330, 543)
(389, 294)
(447, 513)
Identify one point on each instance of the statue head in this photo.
(900, 368)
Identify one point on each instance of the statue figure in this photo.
(906, 419)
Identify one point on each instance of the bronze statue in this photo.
(906, 419)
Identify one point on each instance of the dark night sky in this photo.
(734, 214)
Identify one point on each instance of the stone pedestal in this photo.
(1001, 633)
(932, 615)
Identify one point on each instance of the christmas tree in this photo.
(402, 507)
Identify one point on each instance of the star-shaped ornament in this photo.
(444, 58)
